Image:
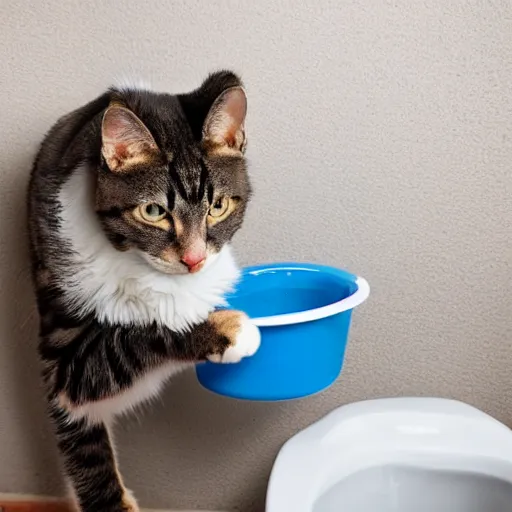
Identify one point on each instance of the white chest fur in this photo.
(120, 287)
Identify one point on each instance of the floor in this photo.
(17, 503)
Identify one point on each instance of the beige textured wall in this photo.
(380, 140)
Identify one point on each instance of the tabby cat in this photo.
(133, 201)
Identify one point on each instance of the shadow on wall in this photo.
(34, 460)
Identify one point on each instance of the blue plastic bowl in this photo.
(303, 312)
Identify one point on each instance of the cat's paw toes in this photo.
(244, 337)
(246, 345)
(129, 502)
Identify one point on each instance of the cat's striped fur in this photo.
(127, 298)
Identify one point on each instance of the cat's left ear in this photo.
(224, 127)
(126, 141)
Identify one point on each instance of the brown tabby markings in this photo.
(178, 226)
(62, 337)
(227, 323)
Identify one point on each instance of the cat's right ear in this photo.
(126, 141)
(223, 130)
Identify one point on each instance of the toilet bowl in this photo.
(396, 455)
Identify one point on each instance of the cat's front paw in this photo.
(244, 337)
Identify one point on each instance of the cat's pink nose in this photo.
(194, 260)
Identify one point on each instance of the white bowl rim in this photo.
(350, 302)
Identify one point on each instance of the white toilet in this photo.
(396, 455)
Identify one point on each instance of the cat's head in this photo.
(173, 183)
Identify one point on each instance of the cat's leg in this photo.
(226, 336)
(90, 463)
(95, 362)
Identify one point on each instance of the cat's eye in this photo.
(152, 212)
(219, 208)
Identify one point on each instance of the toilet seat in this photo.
(429, 433)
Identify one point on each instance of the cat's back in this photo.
(61, 150)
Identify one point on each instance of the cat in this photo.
(132, 203)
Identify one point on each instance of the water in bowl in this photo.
(287, 291)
